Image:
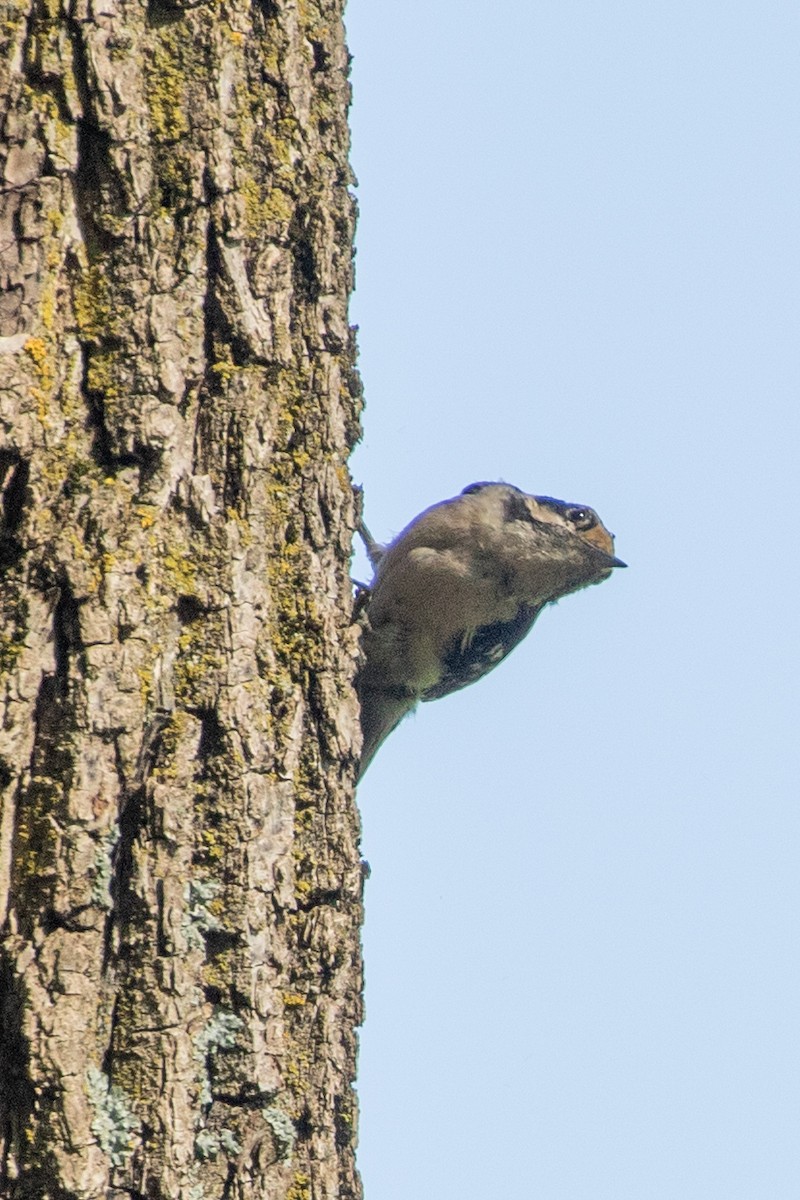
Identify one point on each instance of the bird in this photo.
(459, 588)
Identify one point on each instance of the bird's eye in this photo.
(581, 518)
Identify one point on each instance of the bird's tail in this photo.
(381, 712)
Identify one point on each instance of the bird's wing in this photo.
(470, 656)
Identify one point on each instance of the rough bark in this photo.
(179, 870)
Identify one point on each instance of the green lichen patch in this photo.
(176, 84)
(115, 1125)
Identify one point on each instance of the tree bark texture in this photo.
(180, 880)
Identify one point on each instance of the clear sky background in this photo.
(579, 271)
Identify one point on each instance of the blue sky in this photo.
(579, 270)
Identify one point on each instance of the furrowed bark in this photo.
(180, 881)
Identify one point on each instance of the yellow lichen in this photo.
(181, 572)
(224, 371)
(93, 305)
(293, 1000)
(300, 1188)
(147, 514)
(37, 350)
(264, 205)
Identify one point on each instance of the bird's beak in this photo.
(606, 561)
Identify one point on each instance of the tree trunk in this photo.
(179, 868)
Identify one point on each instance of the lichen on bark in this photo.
(180, 881)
